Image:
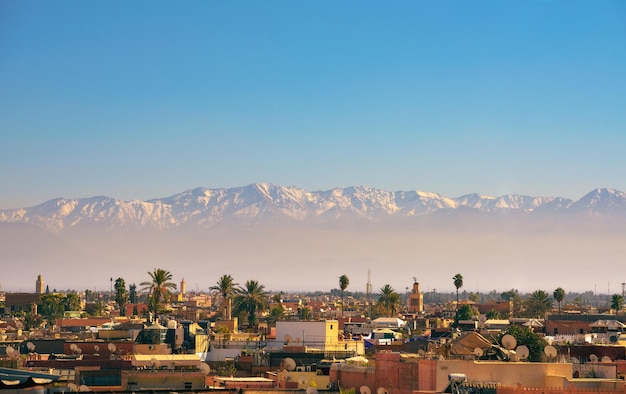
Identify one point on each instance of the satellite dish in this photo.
(79, 350)
(365, 390)
(311, 390)
(73, 387)
(302, 380)
(382, 390)
(606, 359)
(9, 350)
(298, 340)
(73, 347)
(205, 368)
(509, 342)
(593, 358)
(83, 388)
(155, 362)
(420, 352)
(522, 352)
(288, 339)
(111, 347)
(478, 352)
(96, 348)
(30, 346)
(19, 324)
(550, 351)
(574, 360)
(289, 364)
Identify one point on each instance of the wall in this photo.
(311, 333)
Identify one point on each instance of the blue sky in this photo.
(145, 99)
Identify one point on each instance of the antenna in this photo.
(550, 351)
(522, 352)
(478, 352)
(289, 364)
(205, 368)
(509, 342)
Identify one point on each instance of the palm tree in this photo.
(559, 296)
(276, 313)
(458, 283)
(617, 303)
(158, 288)
(250, 299)
(304, 313)
(343, 284)
(538, 303)
(389, 300)
(226, 286)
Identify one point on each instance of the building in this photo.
(40, 286)
(416, 299)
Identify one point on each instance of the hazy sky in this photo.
(145, 99)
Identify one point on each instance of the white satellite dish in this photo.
(289, 364)
(73, 387)
(19, 324)
(30, 346)
(205, 368)
(574, 360)
(111, 347)
(9, 350)
(79, 350)
(593, 358)
(288, 339)
(302, 380)
(73, 347)
(509, 342)
(311, 390)
(382, 390)
(298, 340)
(83, 388)
(478, 352)
(606, 359)
(522, 352)
(365, 390)
(550, 351)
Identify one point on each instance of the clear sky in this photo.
(145, 99)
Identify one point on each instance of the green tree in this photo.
(72, 302)
(474, 297)
(121, 295)
(304, 313)
(537, 304)
(458, 283)
(51, 307)
(533, 341)
(276, 313)
(465, 312)
(493, 314)
(617, 303)
(344, 281)
(31, 320)
(250, 299)
(132, 293)
(158, 288)
(226, 286)
(389, 300)
(559, 296)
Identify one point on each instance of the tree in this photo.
(226, 287)
(559, 296)
(72, 302)
(31, 320)
(276, 313)
(304, 313)
(538, 303)
(492, 314)
(250, 299)
(465, 312)
(533, 341)
(132, 293)
(51, 307)
(617, 303)
(343, 285)
(513, 297)
(121, 295)
(158, 288)
(388, 300)
(458, 283)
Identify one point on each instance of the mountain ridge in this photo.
(258, 202)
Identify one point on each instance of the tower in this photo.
(416, 298)
(183, 287)
(39, 285)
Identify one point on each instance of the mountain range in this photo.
(288, 238)
(258, 203)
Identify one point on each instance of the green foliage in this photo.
(276, 313)
(458, 283)
(388, 301)
(159, 288)
(121, 295)
(493, 314)
(559, 296)
(250, 299)
(533, 341)
(537, 304)
(51, 306)
(304, 313)
(72, 302)
(617, 303)
(465, 312)
(344, 281)
(132, 293)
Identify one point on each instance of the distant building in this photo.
(416, 299)
(183, 287)
(40, 286)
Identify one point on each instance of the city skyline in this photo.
(141, 100)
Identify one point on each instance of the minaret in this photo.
(183, 287)
(39, 285)
(416, 298)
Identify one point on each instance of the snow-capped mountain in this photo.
(204, 208)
